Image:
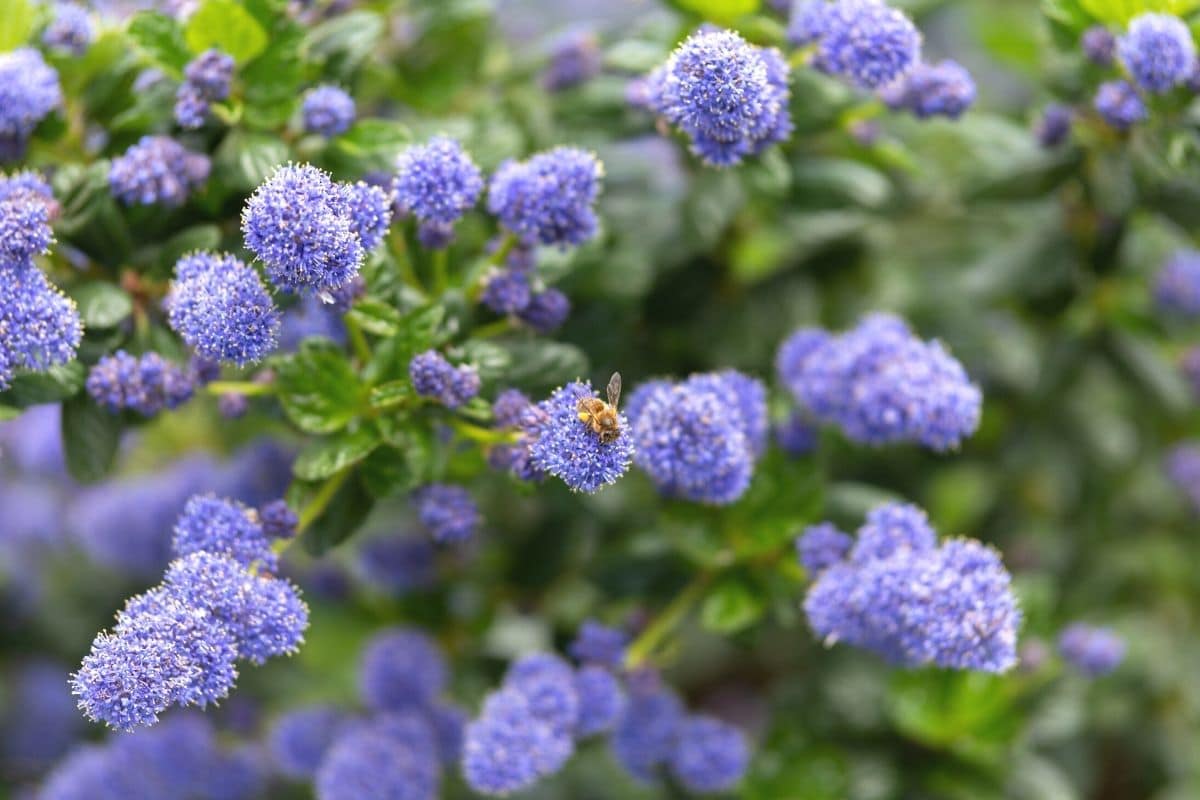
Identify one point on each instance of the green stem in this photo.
(320, 501)
(404, 260)
(441, 277)
(477, 433)
(497, 328)
(644, 645)
(357, 339)
(239, 387)
(506, 246)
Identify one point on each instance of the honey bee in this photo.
(600, 416)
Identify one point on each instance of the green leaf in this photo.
(8, 412)
(273, 80)
(189, 240)
(227, 26)
(390, 394)
(90, 438)
(50, 386)
(345, 41)
(346, 512)
(731, 606)
(17, 19)
(101, 304)
(317, 388)
(390, 470)
(161, 38)
(327, 457)
(375, 316)
(245, 159)
(490, 359)
(418, 331)
(542, 364)
(90, 218)
(374, 136)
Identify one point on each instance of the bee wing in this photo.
(614, 389)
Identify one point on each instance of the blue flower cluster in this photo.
(370, 209)
(556, 441)
(221, 308)
(157, 170)
(575, 59)
(437, 183)
(181, 759)
(1054, 126)
(434, 377)
(29, 91)
(944, 89)
(821, 546)
(178, 642)
(397, 564)
(881, 384)
(1099, 45)
(866, 42)
(698, 439)
(447, 512)
(207, 80)
(1092, 650)
(597, 644)
(39, 326)
(311, 232)
(1158, 51)
(902, 596)
(1177, 287)
(70, 31)
(729, 97)
(299, 738)
(548, 199)
(328, 111)
(278, 520)
(146, 384)
(805, 22)
(1119, 104)
(1182, 466)
(515, 290)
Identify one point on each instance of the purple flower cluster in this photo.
(821, 546)
(1092, 650)
(729, 97)
(1182, 466)
(178, 642)
(29, 91)
(548, 199)
(1177, 287)
(70, 31)
(157, 170)
(401, 669)
(328, 111)
(39, 326)
(698, 439)
(299, 739)
(437, 183)
(930, 90)
(881, 384)
(311, 232)
(1119, 104)
(866, 42)
(397, 564)
(515, 290)
(146, 384)
(181, 758)
(1099, 45)
(434, 377)
(221, 308)
(555, 441)
(447, 512)
(393, 756)
(1158, 52)
(207, 80)
(599, 644)
(806, 22)
(575, 59)
(370, 209)
(902, 596)
(1054, 126)
(278, 521)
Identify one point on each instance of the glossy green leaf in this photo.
(48, 386)
(345, 514)
(227, 26)
(317, 388)
(731, 606)
(91, 436)
(326, 457)
(161, 38)
(102, 305)
(17, 18)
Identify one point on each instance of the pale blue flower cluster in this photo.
(70, 31)
(729, 97)
(1099, 45)
(397, 564)
(447, 512)
(159, 170)
(434, 377)
(1177, 287)
(437, 183)
(881, 384)
(147, 384)
(178, 642)
(29, 91)
(699, 439)
(1092, 650)
(548, 199)
(311, 232)
(1158, 52)
(574, 59)
(944, 89)
(1054, 126)
(221, 308)
(1118, 103)
(557, 442)
(207, 80)
(327, 110)
(39, 326)
(866, 42)
(902, 596)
